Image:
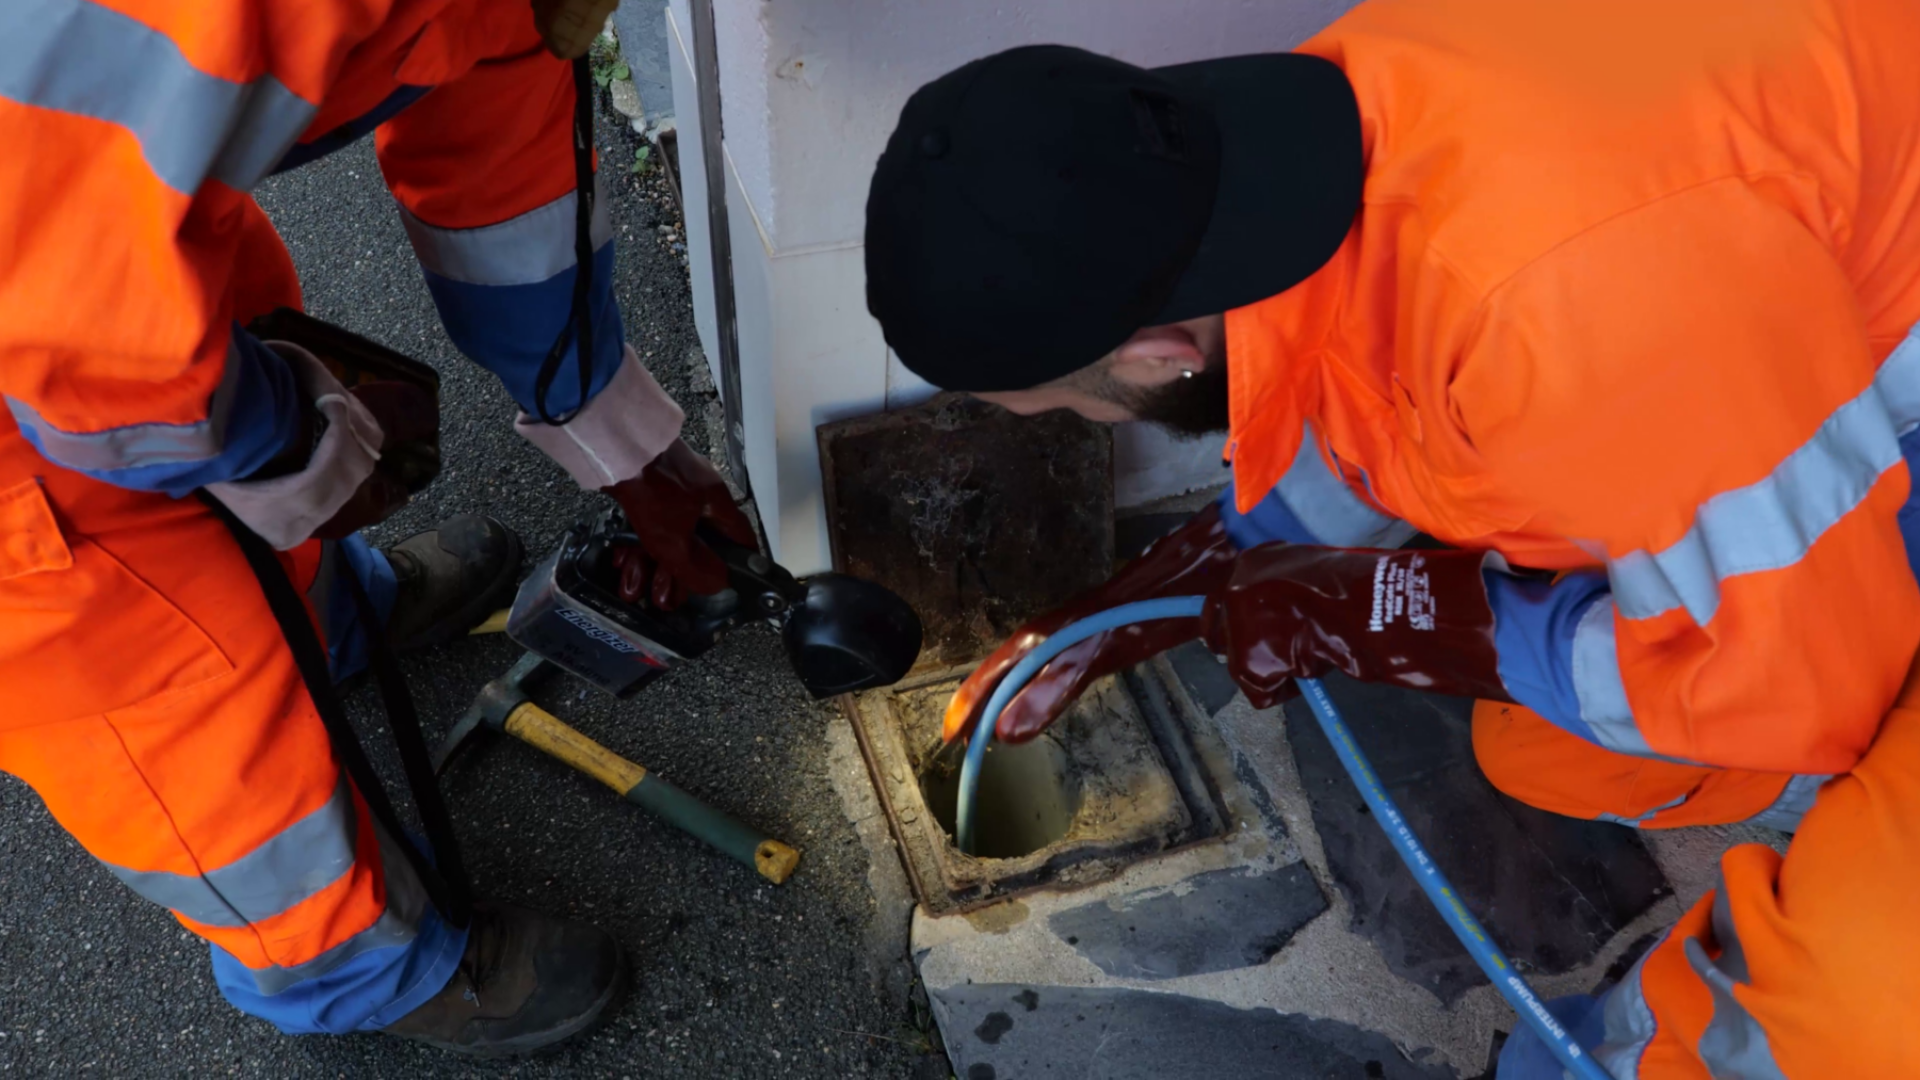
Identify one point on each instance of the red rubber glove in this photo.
(1192, 560)
(673, 494)
(1418, 619)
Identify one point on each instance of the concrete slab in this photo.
(1215, 960)
(1117, 1034)
(641, 27)
(1557, 889)
(1107, 784)
(1222, 920)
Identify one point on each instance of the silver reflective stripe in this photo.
(190, 896)
(135, 445)
(78, 57)
(1329, 508)
(523, 250)
(1792, 805)
(396, 926)
(300, 860)
(1734, 1046)
(1640, 819)
(1773, 522)
(1629, 1023)
(1597, 683)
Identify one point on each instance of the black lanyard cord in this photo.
(579, 324)
(444, 876)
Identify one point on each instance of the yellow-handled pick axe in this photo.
(503, 706)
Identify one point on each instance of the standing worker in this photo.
(1614, 299)
(152, 699)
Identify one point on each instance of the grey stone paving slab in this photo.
(1551, 890)
(1104, 1033)
(1206, 679)
(641, 26)
(1224, 919)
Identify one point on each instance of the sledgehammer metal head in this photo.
(495, 703)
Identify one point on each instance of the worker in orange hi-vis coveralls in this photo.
(152, 700)
(1614, 299)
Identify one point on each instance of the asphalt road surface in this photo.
(733, 977)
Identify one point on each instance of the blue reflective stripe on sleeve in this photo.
(78, 57)
(1330, 511)
(1534, 626)
(1774, 521)
(252, 414)
(508, 328)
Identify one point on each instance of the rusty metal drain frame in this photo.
(947, 882)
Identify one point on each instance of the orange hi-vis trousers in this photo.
(155, 708)
(151, 699)
(1543, 765)
(1797, 967)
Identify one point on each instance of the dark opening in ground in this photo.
(1027, 796)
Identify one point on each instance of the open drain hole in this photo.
(1116, 779)
(1028, 796)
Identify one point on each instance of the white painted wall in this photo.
(811, 89)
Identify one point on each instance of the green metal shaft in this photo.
(773, 859)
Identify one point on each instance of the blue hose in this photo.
(1172, 607)
(1512, 986)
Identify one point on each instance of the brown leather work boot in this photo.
(450, 580)
(526, 982)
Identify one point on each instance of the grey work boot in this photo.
(451, 579)
(526, 982)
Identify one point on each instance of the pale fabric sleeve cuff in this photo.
(625, 426)
(287, 509)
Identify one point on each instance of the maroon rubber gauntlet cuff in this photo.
(1418, 619)
(1193, 560)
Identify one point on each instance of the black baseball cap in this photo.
(1034, 208)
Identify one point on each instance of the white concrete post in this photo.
(811, 88)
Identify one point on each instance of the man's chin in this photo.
(1192, 408)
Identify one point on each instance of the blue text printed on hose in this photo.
(600, 634)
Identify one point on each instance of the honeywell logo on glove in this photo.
(1401, 593)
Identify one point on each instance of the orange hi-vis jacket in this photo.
(132, 252)
(1628, 293)
(152, 700)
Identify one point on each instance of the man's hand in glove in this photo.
(1418, 619)
(1195, 559)
(664, 504)
(327, 482)
(405, 413)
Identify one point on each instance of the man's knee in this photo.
(1530, 759)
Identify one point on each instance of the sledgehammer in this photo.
(503, 706)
